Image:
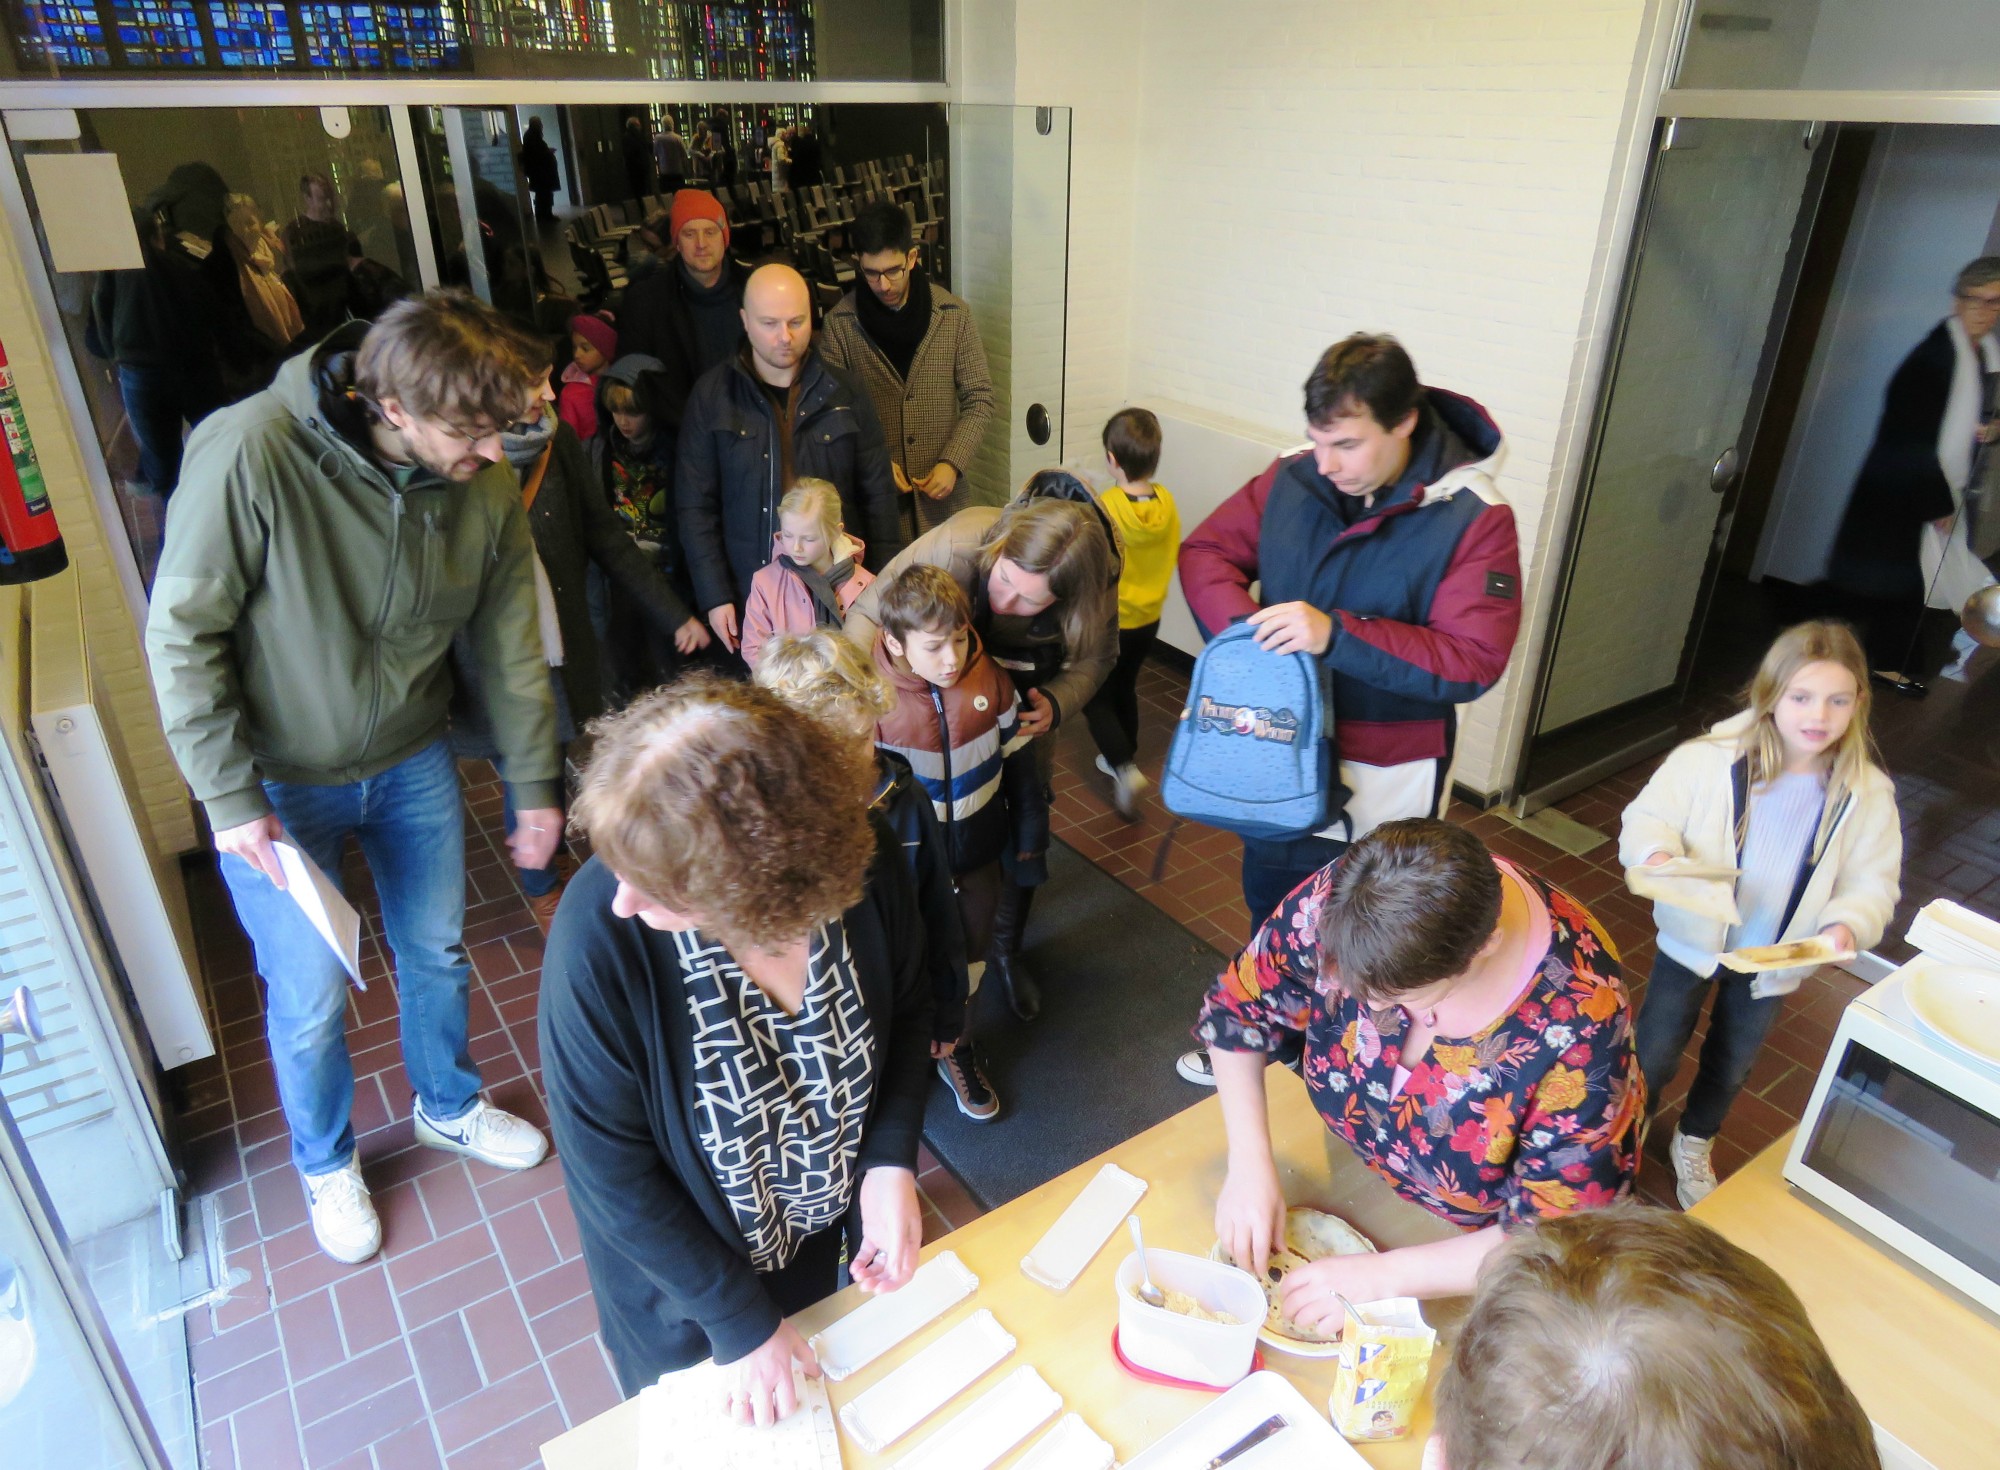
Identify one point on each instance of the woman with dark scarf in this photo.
(575, 532)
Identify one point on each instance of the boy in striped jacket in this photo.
(957, 722)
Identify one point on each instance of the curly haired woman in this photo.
(735, 1035)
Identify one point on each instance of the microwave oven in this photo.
(1902, 1138)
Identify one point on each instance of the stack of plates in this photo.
(1955, 934)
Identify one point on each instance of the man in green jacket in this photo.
(329, 537)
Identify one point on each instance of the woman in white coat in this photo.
(1787, 792)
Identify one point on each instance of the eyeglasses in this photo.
(888, 277)
(467, 437)
(1982, 302)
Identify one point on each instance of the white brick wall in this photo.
(1248, 184)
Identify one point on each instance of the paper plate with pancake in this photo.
(1310, 1235)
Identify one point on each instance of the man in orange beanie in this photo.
(688, 315)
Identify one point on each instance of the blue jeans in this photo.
(1271, 870)
(158, 401)
(1737, 1026)
(411, 825)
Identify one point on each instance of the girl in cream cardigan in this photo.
(1787, 792)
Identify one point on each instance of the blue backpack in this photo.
(1253, 752)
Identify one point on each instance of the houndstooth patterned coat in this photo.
(941, 413)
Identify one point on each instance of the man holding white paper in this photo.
(330, 536)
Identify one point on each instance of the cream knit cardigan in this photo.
(1688, 809)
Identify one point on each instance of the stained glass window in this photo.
(251, 33)
(63, 31)
(159, 33)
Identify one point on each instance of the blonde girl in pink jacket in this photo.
(814, 574)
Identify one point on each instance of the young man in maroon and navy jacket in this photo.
(1385, 550)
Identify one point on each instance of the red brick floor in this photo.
(472, 1338)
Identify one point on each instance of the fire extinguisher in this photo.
(31, 545)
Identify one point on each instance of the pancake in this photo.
(1310, 1235)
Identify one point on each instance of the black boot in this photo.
(1003, 958)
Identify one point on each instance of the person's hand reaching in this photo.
(1250, 1214)
(892, 1230)
(764, 1391)
(723, 620)
(691, 637)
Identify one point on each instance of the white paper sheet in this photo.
(884, 1413)
(338, 924)
(993, 1424)
(1081, 1230)
(684, 1426)
(85, 214)
(1071, 1445)
(881, 1322)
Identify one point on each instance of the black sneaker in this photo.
(969, 1087)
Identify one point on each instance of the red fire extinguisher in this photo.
(31, 546)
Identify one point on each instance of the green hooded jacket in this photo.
(304, 606)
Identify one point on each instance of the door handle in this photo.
(1038, 423)
(1723, 474)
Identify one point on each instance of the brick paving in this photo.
(472, 1338)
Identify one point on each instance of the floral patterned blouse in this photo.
(1535, 1115)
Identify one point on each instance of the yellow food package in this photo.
(1385, 1356)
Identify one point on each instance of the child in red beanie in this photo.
(594, 342)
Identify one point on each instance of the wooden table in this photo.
(1923, 1360)
(1068, 1337)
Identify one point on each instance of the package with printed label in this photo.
(1385, 1357)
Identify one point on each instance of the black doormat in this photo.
(1121, 986)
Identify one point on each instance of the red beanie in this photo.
(598, 332)
(694, 204)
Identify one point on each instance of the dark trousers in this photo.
(158, 401)
(1271, 870)
(978, 901)
(545, 204)
(816, 1271)
(1113, 712)
(1737, 1025)
(1899, 634)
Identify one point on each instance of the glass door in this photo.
(189, 250)
(94, 1266)
(1709, 284)
(1009, 259)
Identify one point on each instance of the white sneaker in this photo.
(1959, 670)
(1194, 1067)
(486, 1133)
(1694, 1172)
(343, 1216)
(1128, 784)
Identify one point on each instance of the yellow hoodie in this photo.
(1152, 532)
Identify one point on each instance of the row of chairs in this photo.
(810, 224)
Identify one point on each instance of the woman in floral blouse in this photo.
(1461, 1023)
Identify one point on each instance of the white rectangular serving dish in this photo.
(1308, 1443)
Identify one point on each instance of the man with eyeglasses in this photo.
(915, 348)
(1904, 542)
(331, 534)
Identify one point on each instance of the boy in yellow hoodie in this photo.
(1151, 528)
